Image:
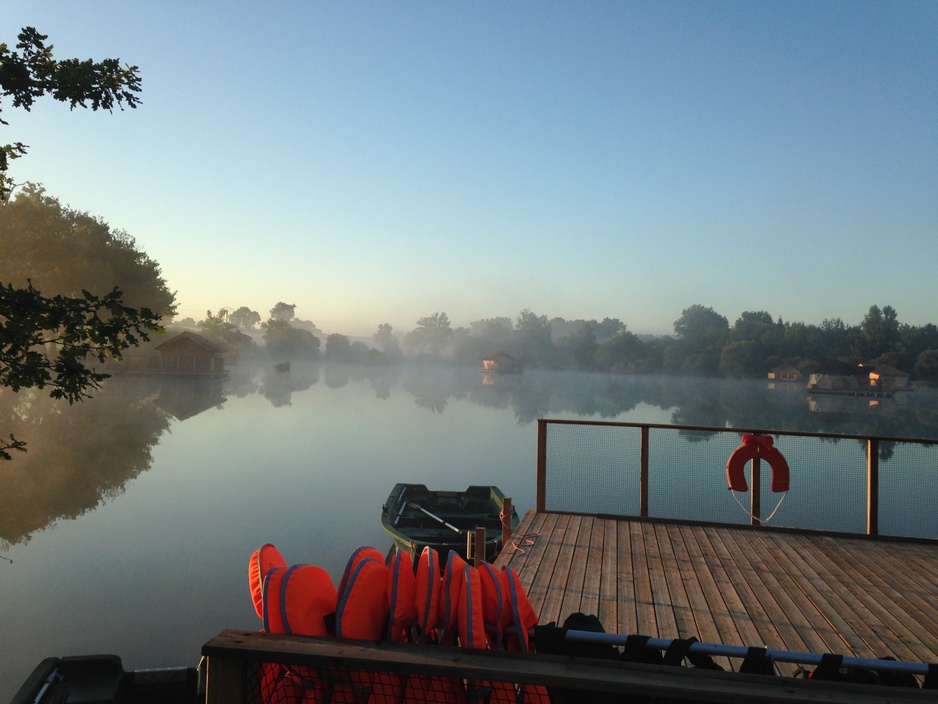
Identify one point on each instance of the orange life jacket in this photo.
(262, 561)
(362, 608)
(427, 596)
(402, 597)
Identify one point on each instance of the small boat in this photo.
(417, 517)
(102, 678)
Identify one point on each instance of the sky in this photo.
(378, 162)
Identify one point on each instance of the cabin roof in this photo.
(186, 335)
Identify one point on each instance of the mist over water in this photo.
(130, 520)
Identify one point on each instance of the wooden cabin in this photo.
(887, 379)
(785, 372)
(190, 353)
(502, 363)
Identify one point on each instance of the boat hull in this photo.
(416, 517)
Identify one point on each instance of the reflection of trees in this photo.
(278, 386)
(701, 402)
(433, 386)
(79, 456)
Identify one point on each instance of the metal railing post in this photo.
(872, 486)
(541, 480)
(755, 490)
(643, 478)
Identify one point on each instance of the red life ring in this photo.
(763, 447)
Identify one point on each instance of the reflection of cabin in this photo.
(502, 363)
(190, 353)
(785, 372)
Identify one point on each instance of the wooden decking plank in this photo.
(839, 597)
(772, 632)
(897, 630)
(732, 585)
(735, 608)
(676, 574)
(661, 596)
(608, 609)
(536, 557)
(645, 622)
(795, 611)
(834, 602)
(575, 588)
(592, 578)
(721, 627)
(564, 542)
(707, 616)
(627, 615)
(916, 597)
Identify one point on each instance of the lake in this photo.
(127, 526)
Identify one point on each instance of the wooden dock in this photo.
(736, 585)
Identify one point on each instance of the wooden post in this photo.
(540, 504)
(643, 477)
(506, 521)
(225, 680)
(479, 556)
(872, 486)
(755, 500)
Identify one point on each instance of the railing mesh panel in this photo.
(596, 468)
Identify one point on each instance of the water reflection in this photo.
(77, 456)
(81, 455)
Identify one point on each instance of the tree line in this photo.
(703, 344)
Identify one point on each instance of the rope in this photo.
(527, 539)
(749, 513)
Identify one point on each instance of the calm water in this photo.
(127, 526)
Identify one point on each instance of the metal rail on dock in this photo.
(741, 651)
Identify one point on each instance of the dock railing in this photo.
(262, 668)
(857, 484)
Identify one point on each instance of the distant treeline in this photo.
(703, 344)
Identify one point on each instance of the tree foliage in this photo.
(45, 341)
(30, 72)
(431, 335)
(283, 311)
(244, 318)
(65, 251)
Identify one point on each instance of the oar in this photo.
(436, 518)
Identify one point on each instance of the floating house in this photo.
(888, 379)
(502, 363)
(190, 353)
(862, 380)
(785, 372)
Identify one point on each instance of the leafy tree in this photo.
(68, 327)
(386, 341)
(283, 339)
(742, 358)
(608, 329)
(32, 72)
(701, 327)
(45, 341)
(244, 318)
(581, 345)
(283, 311)
(338, 347)
(624, 347)
(703, 331)
(926, 365)
(879, 332)
(533, 337)
(432, 333)
(64, 251)
(217, 326)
